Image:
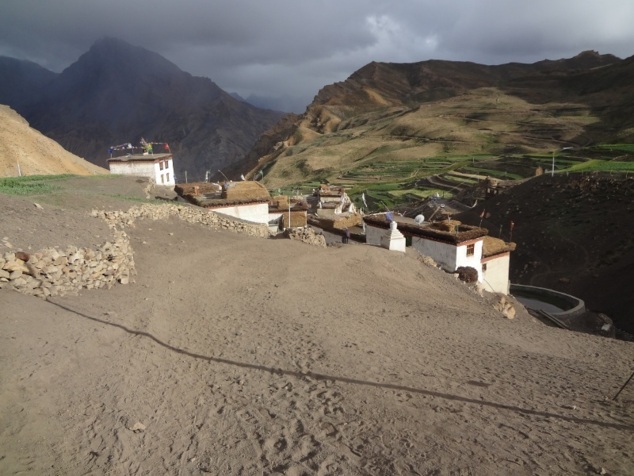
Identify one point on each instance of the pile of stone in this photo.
(52, 272)
(306, 235)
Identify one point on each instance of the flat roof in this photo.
(432, 231)
(140, 158)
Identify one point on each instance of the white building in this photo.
(157, 167)
(245, 200)
(496, 260)
(452, 245)
(141, 161)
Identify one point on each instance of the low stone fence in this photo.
(54, 271)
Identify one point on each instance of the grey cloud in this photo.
(284, 47)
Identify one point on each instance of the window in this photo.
(167, 177)
(161, 164)
(162, 178)
(484, 267)
(471, 249)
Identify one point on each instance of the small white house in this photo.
(157, 167)
(452, 245)
(245, 200)
(496, 259)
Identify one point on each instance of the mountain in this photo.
(283, 103)
(387, 112)
(25, 151)
(117, 93)
(22, 81)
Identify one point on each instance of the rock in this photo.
(16, 265)
(37, 205)
(305, 235)
(22, 255)
(428, 261)
(505, 307)
(138, 427)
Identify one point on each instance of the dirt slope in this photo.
(573, 233)
(35, 153)
(237, 355)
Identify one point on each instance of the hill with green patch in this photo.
(391, 125)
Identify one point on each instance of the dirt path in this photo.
(237, 355)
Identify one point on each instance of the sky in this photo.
(287, 50)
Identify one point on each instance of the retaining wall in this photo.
(573, 306)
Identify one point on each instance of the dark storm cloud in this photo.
(293, 48)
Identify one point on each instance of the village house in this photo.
(286, 212)
(332, 209)
(451, 244)
(143, 162)
(246, 200)
(496, 261)
(334, 198)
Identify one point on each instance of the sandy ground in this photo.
(232, 355)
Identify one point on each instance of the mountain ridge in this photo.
(463, 107)
(117, 92)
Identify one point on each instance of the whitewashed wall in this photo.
(140, 169)
(442, 253)
(496, 276)
(254, 212)
(146, 169)
(450, 257)
(165, 176)
(474, 261)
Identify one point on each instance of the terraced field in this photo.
(387, 184)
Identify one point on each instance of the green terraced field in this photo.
(389, 183)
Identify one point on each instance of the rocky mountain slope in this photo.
(21, 82)
(386, 113)
(27, 151)
(117, 93)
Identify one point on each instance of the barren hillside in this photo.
(234, 355)
(387, 114)
(35, 154)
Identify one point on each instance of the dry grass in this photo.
(35, 153)
(484, 121)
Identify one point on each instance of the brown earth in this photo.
(573, 234)
(35, 153)
(239, 355)
(391, 113)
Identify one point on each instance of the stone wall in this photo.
(54, 271)
(306, 235)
